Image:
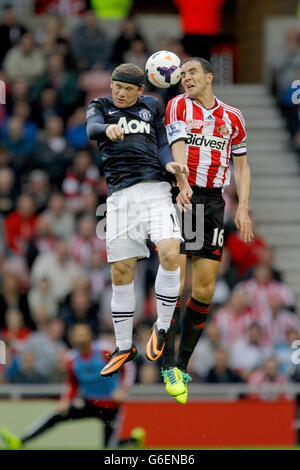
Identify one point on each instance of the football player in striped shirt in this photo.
(205, 133)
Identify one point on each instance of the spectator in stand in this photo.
(63, 81)
(137, 53)
(53, 155)
(80, 310)
(61, 7)
(49, 36)
(47, 343)
(26, 372)
(63, 47)
(122, 44)
(201, 25)
(97, 274)
(279, 320)
(18, 91)
(43, 241)
(76, 133)
(38, 187)
(59, 268)
(204, 355)
(81, 178)
(227, 278)
(86, 241)
(11, 31)
(12, 298)
(19, 225)
(61, 221)
(262, 287)
(250, 352)
(285, 63)
(22, 110)
(15, 332)
(20, 146)
(7, 191)
(5, 157)
(266, 257)
(41, 298)
(25, 60)
(234, 318)
(46, 106)
(90, 44)
(245, 255)
(267, 375)
(89, 204)
(221, 372)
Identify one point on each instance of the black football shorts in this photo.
(203, 227)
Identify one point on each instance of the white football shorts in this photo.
(136, 213)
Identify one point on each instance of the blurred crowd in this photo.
(285, 84)
(53, 269)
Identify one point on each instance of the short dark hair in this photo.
(130, 69)
(206, 66)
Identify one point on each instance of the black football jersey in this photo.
(135, 158)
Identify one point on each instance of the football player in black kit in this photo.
(129, 129)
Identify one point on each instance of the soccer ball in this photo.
(163, 69)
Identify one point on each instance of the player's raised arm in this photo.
(95, 123)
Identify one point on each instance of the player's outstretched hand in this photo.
(184, 197)
(244, 224)
(177, 168)
(115, 132)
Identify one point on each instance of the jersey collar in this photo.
(208, 112)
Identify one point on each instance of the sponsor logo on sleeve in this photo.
(174, 129)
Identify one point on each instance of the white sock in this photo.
(167, 286)
(122, 307)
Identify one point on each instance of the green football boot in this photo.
(174, 381)
(182, 398)
(11, 441)
(139, 434)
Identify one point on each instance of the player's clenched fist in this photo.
(115, 132)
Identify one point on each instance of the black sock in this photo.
(192, 328)
(168, 358)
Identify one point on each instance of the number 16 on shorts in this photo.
(218, 237)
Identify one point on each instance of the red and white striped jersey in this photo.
(212, 136)
(233, 326)
(261, 293)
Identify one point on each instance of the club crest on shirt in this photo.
(223, 130)
(196, 124)
(145, 115)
